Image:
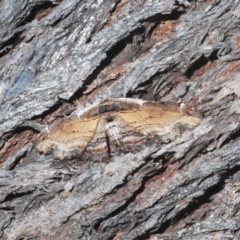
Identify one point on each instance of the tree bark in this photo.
(56, 56)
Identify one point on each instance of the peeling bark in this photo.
(56, 56)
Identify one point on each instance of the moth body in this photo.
(113, 132)
(114, 126)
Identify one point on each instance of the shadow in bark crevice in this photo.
(12, 42)
(234, 136)
(142, 90)
(158, 17)
(49, 111)
(199, 63)
(13, 196)
(111, 54)
(38, 12)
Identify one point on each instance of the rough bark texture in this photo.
(56, 52)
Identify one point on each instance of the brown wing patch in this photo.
(96, 148)
(68, 138)
(123, 137)
(112, 138)
(161, 119)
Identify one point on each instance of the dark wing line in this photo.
(90, 139)
(134, 129)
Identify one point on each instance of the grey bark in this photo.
(56, 52)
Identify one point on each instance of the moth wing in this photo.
(68, 138)
(112, 138)
(96, 148)
(126, 133)
(152, 118)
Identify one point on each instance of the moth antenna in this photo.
(76, 102)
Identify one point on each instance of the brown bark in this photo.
(56, 52)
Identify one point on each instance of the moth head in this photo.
(109, 119)
(109, 116)
(108, 105)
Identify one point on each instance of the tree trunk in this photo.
(59, 56)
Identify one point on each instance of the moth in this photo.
(112, 127)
